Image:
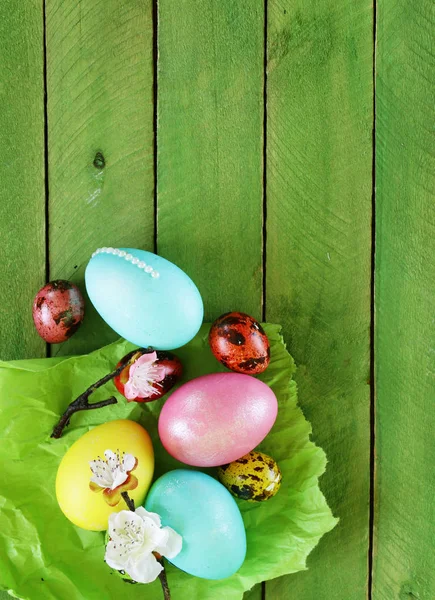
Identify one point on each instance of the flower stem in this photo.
(129, 501)
(82, 401)
(163, 578)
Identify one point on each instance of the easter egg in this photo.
(240, 343)
(150, 380)
(145, 298)
(208, 519)
(58, 311)
(131, 461)
(254, 477)
(215, 419)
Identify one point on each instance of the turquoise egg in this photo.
(205, 514)
(146, 299)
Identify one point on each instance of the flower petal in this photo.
(159, 372)
(112, 497)
(145, 570)
(130, 391)
(148, 357)
(129, 462)
(150, 515)
(115, 556)
(151, 535)
(130, 484)
(119, 479)
(118, 520)
(101, 474)
(170, 543)
(94, 486)
(111, 456)
(144, 374)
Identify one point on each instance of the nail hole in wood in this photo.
(99, 162)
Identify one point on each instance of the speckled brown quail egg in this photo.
(254, 477)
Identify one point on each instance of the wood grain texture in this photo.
(210, 119)
(22, 192)
(319, 180)
(405, 303)
(100, 139)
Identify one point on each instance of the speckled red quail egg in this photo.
(58, 311)
(240, 343)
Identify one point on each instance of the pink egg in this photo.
(215, 419)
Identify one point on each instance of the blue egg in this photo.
(145, 298)
(207, 517)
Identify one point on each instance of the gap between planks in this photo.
(263, 584)
(264, 249)
(155, 96)
(372, 331)
(46, 182)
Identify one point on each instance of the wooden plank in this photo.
(22, 190)
(100, 139)
(319, 186)
(405, 293)
(210, 120)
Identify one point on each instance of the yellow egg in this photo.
(89, 508)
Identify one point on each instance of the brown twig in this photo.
(82, 402)
(129, 501)
(163, 578)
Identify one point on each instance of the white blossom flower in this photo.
(144, 374)
(134, 539)
(113, 475)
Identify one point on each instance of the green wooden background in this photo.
(281, 153)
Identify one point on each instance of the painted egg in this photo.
(119, 449)
(255, 477)
(146, 299)
(215, 419)
(58, 311)
(240, 343)
(207, 517)
(148, 376)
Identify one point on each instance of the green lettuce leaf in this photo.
(44, 557)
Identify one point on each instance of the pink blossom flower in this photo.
(144, 375)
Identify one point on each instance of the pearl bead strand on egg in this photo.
(129, 258)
